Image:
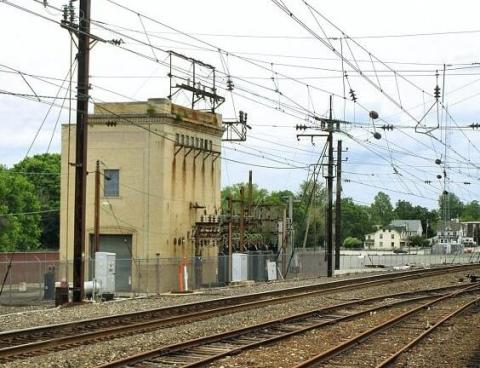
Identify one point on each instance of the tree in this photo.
(404, 210)
(19, 206)
(233, 191)
(418, 241)
(43, 172)
(471, 211)
(381, 209)
(356, 220)
(350, 242)
(450, 204)
(309, 211)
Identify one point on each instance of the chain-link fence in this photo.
(33, 282)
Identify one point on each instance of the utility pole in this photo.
(250, 193)
(329, 222)
(230, 225)
(81, 150)
(96, 224)
(242, 219)
(338, 206)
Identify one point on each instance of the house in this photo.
(387, 238)
(471, 232)
(450, 232)
(413, 227)
(160, 173)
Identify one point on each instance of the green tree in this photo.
(404, 210)
(19, 206)
(418, 241)
(43, 172)
(381, 209)
(452, 204)
(350, 242)
(233, 191)
(356, 220)
(309, 211)
(471, 211)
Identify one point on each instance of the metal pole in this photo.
(81, 150)
(230, 224)
(242, 219)
(96, 225)
(290, 232)
(250, 192)
(338, 207)
(329, 222)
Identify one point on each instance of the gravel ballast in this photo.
(92, 355)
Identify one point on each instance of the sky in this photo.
(284, 68)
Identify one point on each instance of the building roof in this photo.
(451, 226)
(410, 225)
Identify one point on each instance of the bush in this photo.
(350, 242)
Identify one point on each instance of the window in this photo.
(393, 236)
(177, 138)
(381, 244)
(381, 236)
(111, 183)
(393, 244)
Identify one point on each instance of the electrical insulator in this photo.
(387, 127)
(300, 127)
(474, 125)
(65, 14)
(230, 84)
(352, 95)
(436, 92)
(71, 9)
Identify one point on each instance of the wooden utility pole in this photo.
(338, 207)
(329, 222)
(96, 224)
(81, 150)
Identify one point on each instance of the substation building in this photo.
(159, 166)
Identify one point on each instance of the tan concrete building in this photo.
(160, 171)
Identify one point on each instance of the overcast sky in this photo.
(283, 76)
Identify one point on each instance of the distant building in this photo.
(471, 232)
(412, 227)
(387, 238)
(160, 173)
(449, 232)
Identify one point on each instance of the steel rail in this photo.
(230, 338)
(427, 332)
(358, 339)
(127, 324)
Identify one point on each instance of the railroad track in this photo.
(202, 351)
(40, 340)
(383, 344)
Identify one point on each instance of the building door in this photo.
(121, 245)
